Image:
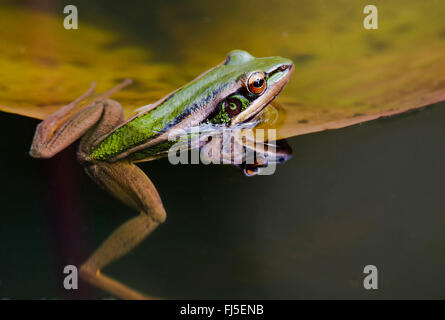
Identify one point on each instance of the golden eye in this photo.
(256, 83)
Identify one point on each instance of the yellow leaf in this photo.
(344, 73)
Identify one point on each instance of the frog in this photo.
(232, 93)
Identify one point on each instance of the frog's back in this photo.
(193, 100)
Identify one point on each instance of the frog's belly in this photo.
(154, 152)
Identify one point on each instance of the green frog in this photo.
(230, 94)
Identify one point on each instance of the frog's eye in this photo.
(256, 83)
(232, 106)
(229, 108)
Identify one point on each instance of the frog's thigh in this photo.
(128, 183)
(112, 115)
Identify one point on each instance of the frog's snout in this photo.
(288, 66)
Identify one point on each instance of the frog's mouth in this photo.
(276, 80)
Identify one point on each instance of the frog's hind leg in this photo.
(128, 183)
(59, 130)
(125, 180)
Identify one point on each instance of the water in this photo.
(369, 194)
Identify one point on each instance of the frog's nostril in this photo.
(284, 67)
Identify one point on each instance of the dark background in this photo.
(368, 194)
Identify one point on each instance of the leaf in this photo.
(344, 73)
(45, 66)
